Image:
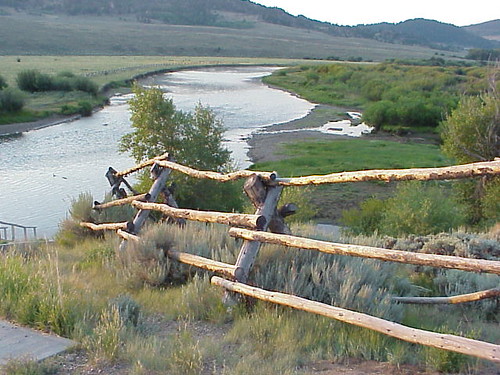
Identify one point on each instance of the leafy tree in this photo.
(194, 139)
(471, 133)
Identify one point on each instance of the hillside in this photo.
(487, 30)
(234, 17)
(425, 32)
(47, 34)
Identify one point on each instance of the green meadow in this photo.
(329, 156)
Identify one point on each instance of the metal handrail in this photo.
(13, 230)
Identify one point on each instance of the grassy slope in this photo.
(64, 35)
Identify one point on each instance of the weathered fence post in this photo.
(160, 175)
(115, 182)
(265, 198)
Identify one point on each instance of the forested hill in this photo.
(425, 32)
(488, 30)
(244, 13)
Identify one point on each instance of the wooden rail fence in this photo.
(264, 190)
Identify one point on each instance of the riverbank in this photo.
(21, 127)
(265, 146)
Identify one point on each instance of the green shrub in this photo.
(490, 201)
(61, 84)
(34, 81)
(85, 84)
(415, 208)
(144, 263)
(366, 219)
(419, 208)
(11, 100)
(3, 83)
(85, 108)
(81, 210)
(128, 309)
(301, 197)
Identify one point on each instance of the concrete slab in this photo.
(18, 342)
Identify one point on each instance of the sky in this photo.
(355, 12)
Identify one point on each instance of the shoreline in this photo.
(23, 127)
(266, 147)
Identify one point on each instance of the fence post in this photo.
(265, 198)
(160, 175)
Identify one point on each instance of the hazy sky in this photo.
(354, 12)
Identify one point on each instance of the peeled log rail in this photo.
(142, 165)
(106, 226)
(463, 298)
(127, 236)
(121, 202)
(209, 175)
(389, 175)
(204, 263)
(239, 220)
(433, 260)
(417, 336)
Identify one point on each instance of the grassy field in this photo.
(82, 35)
(322, 157)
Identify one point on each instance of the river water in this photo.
(42, 171)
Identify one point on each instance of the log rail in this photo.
(470, 170)
(417, 336)
(264, 190)
(432, 260)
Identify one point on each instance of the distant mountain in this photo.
(424, 32)
(244, 14)
(487, 30)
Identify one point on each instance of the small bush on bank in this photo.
(415, 208)
(11, 100)
(83, 108)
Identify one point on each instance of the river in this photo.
(42, 171)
